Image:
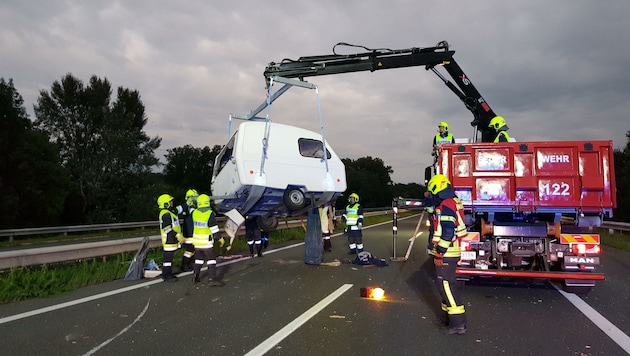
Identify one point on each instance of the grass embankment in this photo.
(44, 281)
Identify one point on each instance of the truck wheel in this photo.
(294, 199)
(267, 224)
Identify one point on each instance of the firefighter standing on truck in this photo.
(187, 229)
(500, 126)
(206, 231)
(443, 136)
(354, 222)
(449, 227)
(171, 235)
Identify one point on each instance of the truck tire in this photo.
(294, 199)
(267, 224)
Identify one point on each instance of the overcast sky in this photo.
(556, 70)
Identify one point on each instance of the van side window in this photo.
(225, 155)
(312, 148)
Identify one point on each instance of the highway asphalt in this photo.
(278, 305)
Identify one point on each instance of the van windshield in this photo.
(312, 148)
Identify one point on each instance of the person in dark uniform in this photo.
(253, 235)
(205, 233)
(449, 228)
(171, 234)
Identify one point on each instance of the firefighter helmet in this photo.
(164, 200)
(355, 196)
(203, 201)
(443, 124)
(438, 183)
(497, 122)
(191, 193)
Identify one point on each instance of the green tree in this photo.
(371, 179)
(410, 190)
(190, 167)
(107, 155)
(33, 184)
(622, 178)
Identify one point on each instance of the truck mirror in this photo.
(427, 174)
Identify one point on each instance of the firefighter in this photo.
(187, 229)
(205, 233)
(353, 218)
(500, 126)
(253, 235)
(449, 227)
(326, 214)
(443, 136)
(171, 234)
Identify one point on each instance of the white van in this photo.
(294, 177)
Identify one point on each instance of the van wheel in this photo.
(294, 199)
(267, 224)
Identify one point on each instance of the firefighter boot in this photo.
(259, 250)
(251, 250)
(196, 279)
(186, 264)
(327, 245)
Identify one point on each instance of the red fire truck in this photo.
(530, 207)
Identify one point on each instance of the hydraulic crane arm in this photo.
(378, 59)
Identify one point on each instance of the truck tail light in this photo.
(581, 249)
(465, 246)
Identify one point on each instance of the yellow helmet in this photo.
(191, 193)
(203, 201)
(443, 124)
(438, 183)
(164, 200)
(497, 122)
(355, 196)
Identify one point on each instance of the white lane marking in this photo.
(274, 339)
(91, 352)
(136, 286)
(606, 326)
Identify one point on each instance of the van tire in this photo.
(267, 224)
(294, 199)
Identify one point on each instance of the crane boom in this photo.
(379, 59)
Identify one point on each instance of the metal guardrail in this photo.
(614, 226)
(82, 250)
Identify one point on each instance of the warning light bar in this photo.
(373, 293)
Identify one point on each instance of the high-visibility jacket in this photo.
(205, 228)
(354, 216)
(504, 134)
(446, 139)
(449, 227)
(169, 228)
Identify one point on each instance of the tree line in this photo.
(85, 158)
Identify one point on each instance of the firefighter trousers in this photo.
(452, 304)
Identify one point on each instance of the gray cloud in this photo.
(555, 71)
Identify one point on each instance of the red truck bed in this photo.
(558, 177)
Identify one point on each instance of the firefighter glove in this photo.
(221, 242)
(180, 237)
